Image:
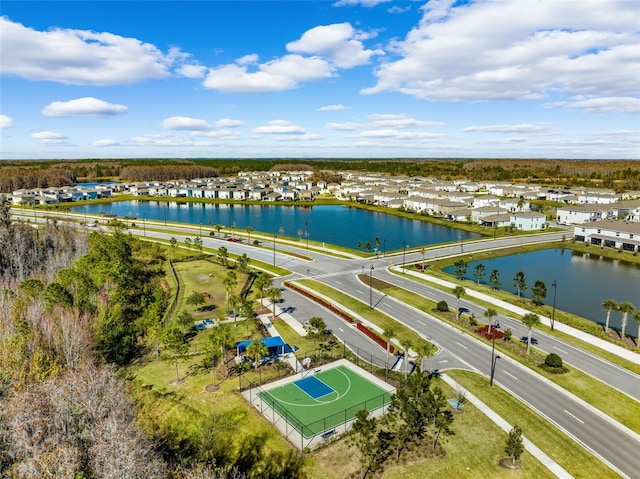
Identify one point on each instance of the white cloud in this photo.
(399, 121)
(279, 127)
(520, 128)
(281, 74)
(342, 126)
(399, 135)
(226, 134)
(602, 105)
(5, 121)
(364, 3)
(229, 123)
(397, 9)
(339, 43)
(570, 48)
(87, 106)
(80, 57)
(50, 138)
(192, 71)
(185, 123)
(304, 137)
(162, 139)
(332, 108)
(104, 142)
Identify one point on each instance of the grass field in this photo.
(345, 392)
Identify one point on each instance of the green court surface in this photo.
(349, 393)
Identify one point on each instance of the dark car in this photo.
(463, 310)
(533, 340)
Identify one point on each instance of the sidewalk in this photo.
(531, 448)
(601, 343)
(271, 329)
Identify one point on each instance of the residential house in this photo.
(621, 235)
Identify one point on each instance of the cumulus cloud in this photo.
(281, 74)
(400, 135)
(6, 121)
(602, 105)
(279, 127)
(570, 48)
(81, 57)
(229, 123)
(50, 138)
(185, 123)
(332, 108)
(226, 134)
(303, 137)
(104, 142)
(340, 43)
(364, 3)
(520, 128)
(192, 71)
(342, 126)
(87, 106)
(399, 121)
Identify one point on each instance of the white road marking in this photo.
(574, 417)
(359, 292)
(443, 361)
(561, 350)
(421, 322)
(338, 282)
(341, 330)
(461, 345)
(509, 374)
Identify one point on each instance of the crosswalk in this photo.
(336, 273)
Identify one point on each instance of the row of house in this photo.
(63, 194)
(621, 235)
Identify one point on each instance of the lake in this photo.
(583, 281)
(333, 224)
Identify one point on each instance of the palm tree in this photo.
(423, 252)
(388, 334)
(406, 345)
(490, 313)
(229, 283)
(423, 349)
(636, 316)
(234, 302)
(255, 350)
(458, 292)
(218, 228)
(274, 295)
(262, 282)
(608, 305)
(520, 283)
(530, 320)
(625, 308)
(248, 229)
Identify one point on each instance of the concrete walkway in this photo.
(271, 329)
(531, 448)
(589, 338)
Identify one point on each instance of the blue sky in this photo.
(298, 79)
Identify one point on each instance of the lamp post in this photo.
(165, 213)
(494, 358)
(553, 311)
(306, 233)
(404, 252)
(274, 249)
(200, 223)
(371, 287)
(461, 243)
(144, 227)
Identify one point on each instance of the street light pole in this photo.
(306, 232)
(553, 312)
(371, 287)
(274, 249)
(404, 251)
(494, 358)
(461, 243)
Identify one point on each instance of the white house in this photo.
(577, 214)
(528, 220)
(622, 235)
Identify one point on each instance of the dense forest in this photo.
(617, 174)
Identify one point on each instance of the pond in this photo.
(333, 224)
(583, 281)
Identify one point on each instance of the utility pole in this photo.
(553, 311)
(371, 287)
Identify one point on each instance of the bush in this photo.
(553, 361)
(553, 364)
(442, 306)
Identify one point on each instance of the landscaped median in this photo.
(371, 322)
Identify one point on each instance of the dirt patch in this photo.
(211, 388)
(508, 463)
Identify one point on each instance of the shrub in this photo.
(442, 306)
(507, 334)
(553, 361)
(553, 364)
